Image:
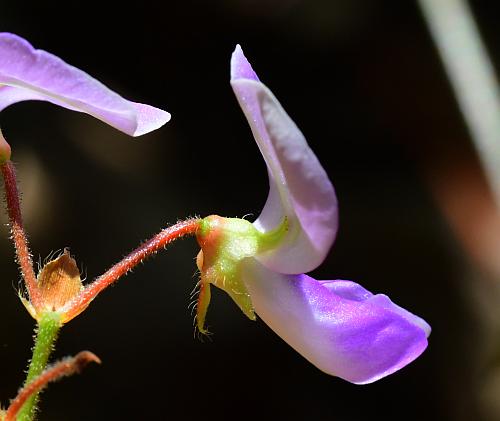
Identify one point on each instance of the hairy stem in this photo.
(150, 247)
(19, 236)
(46, 335)
(66, 367)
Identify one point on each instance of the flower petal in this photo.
(29, 74)
(299, 186)
(338, 326)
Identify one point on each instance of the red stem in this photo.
(63, 368)
(159, 241)
(19, 236)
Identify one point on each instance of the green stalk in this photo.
(46, 335)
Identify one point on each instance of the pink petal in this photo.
(338, 326)
(299, 186)
(31, 74)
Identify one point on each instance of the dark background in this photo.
(363, 82)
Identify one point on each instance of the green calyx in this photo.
(225, 243)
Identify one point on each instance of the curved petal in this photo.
(29, 74)
(299, 186)
(339, 326)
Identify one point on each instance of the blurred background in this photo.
(364, 82)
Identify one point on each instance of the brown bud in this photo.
(59, 281)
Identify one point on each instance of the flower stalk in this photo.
(19, 236)
(66, 367)
(47, 330)
(150, 247)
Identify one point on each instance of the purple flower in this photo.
(29, 74)
(338, 326)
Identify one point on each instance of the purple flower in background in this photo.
(29, 74)
(338, 325)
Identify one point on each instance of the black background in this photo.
(363, 82)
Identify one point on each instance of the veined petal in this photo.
(299, 186)
(338, 326)
(29, 74)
